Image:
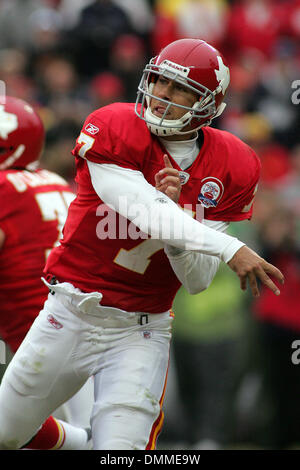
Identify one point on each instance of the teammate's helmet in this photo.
(198, 66)
(22, 134)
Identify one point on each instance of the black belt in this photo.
(144, 319)
(52, 280)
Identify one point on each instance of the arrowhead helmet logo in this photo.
(223, 75)
(8, 123)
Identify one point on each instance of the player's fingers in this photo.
(158, 178)
(274, 272)
(243, 282)
(161, 176)
(162, 187)
(172, 193)
(168, 172)
(267, 281)
(253, 284)
(172, 180)
(168, 164)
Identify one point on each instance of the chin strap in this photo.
(220, 110)
(154, 126)
(165, 127)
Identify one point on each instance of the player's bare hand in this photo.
(167, 180)
(249, 266)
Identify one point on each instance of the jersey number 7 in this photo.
(54, 206)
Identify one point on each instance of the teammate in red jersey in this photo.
(33, 210)
(128, 246)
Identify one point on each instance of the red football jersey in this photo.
(32, 213)
(135, 274)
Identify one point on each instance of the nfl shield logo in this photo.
(184, 177)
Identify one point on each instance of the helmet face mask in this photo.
(21, 134)
(195, 65)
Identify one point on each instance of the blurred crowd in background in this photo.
(232, 380)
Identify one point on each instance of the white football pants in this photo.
(64, 347)
(77, 411)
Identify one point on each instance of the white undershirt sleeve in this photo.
(128, 193)
(195, 270)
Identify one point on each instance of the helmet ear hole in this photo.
(153, 78)
(3, 150)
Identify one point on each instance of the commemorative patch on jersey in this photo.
(184, 177)
(91, 129)
(211, 192)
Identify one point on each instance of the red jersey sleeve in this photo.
(238, 177)
(238, 203)
(112, 134)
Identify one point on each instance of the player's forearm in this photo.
(156, 214)
(195, 270)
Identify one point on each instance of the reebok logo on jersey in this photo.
(54, 322)
(91, 129)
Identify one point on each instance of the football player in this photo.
(34, 204)
(129, 243)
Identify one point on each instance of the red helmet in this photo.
(198, 66)
(22, 133)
